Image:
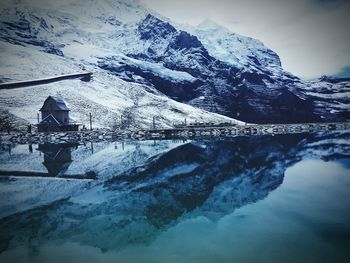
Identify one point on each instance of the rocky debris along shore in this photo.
(178, 133)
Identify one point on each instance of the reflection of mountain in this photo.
(208, 179)
(184, 179)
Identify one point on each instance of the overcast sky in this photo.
(312, 37)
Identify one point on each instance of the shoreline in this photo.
(174, 133)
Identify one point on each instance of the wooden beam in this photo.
(27, 83)
(88, 175)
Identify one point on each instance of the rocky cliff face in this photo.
(250, 86)
(331, 97)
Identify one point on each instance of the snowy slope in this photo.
(106, 97)
(238, 50)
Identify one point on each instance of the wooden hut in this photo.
(55, 116)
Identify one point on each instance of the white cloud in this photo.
(311, 36)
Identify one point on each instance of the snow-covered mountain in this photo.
(331, 96)
(237, 86)
(133, 50)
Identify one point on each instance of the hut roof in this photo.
(60, 104)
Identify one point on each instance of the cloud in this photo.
(311, 36)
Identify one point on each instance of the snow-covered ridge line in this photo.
(26, 83)
(157, 69)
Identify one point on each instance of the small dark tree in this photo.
(7, 125)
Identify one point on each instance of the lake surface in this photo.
(278, 198)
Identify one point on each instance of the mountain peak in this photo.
(152, 27)
(331, 79)
(150, 18)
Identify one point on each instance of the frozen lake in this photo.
(282, 198)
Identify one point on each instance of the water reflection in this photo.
(139, 194)
(212, 178)
(57, 157)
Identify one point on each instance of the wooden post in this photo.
(185, 122)
(90, 121)
(38, 118)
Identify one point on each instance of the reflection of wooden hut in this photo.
(57, 157)
(55, 116)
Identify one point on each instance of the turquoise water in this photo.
(254, 199)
